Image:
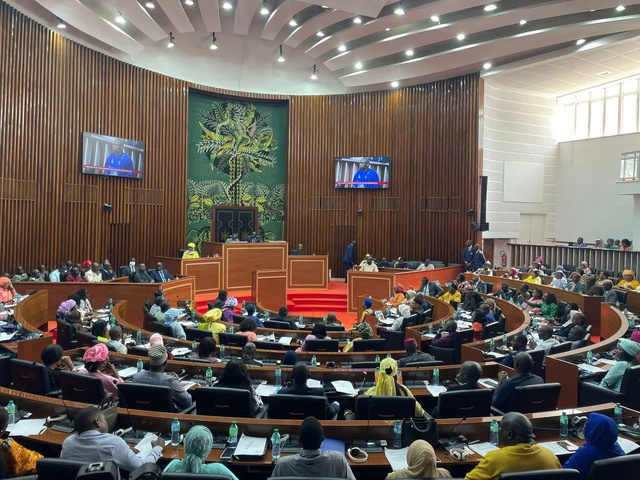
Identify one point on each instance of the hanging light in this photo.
(314, 74)
(150, 5)
(227, 5)
(357, 20)
(214, 42)
(120, 19)
(281, 56)
(342, 48)
(61, 24)
(171, 42)
(399, 9)
(293, 22)
(188, 2)
(265, 9)
(394, 84)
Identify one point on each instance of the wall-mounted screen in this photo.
(112, 156)
(362, 172)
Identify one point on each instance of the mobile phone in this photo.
(227, 454)
(568, 446)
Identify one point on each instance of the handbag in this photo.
(420, 429)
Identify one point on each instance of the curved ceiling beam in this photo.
(138, 16)
(244, 13)
(281, 17)
(370, 8)
(175, 13)
(210, 12)
(313, 26)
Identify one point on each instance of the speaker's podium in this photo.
(207, 271)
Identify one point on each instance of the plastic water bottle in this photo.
(244, 307)
(275, 445)
(492, 345)
(175, 432)
(209, 377)
(266, 315)
(279, 376)
(324, 320)
(11, 410)
(505, 341)
(626, 311)
(221, 351)
(534, 325)
(494, 437)
(589, 357)
(617, 414)
(314, 361)
(233, 434)
(110, 305)
(397, 435)
(378, 359)
(139, 338)
(112, 320)
(389, 355)
(231, 329)
(194, 346)
(564, 425)
(186, 304)
(139, 365)
(301, 320)
(632, 322)
(442, 323)
(431, 328)
(436, 376)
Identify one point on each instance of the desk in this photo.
(269, 288)
(207, 271)
(31, 313)
(308, 271)
(241, 259)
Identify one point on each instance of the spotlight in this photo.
(435, 18)
(61, 24)
(620, 8)
(357, 20)
(314, 74)
(342, 48)
(281, 56)
(399, 9)
(171, 42)
(387, 29)
(461, 36)
(293, 22)
(490, 8)
(214, 42)
(227, 5)
(581, 41)
(188, 2)
(523, 22)
(486, 66)
(320, 33)
(120, 19)
(264, 10)
(150, 5)
(358, 66)
(394, 84)
(409, 53)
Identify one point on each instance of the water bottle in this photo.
(275, 445)
(626, 311)
(534, 325)
(494, 437)
(266, 315)
(279, 376)
(221, 352)
(378, 359)
(492, 345)
(112, 320)
(436, 376)
(194, 346)
(442, 323)
(324, 320)
(139, 338)
(209, 377)
(175, 433)
(301, 321)
(397, 435)
(389, 355)
(11, 410)
(139, 365)
(244, 307)
(589, 358)
(110, 305)
(231, 329)
(431, 328)
(632, 322)
(564, 425)
(233, 434)
(617, 414)
(505, 341)
(314, 361)
(186, 304)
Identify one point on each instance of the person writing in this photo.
(190, 252)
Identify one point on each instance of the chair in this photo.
(446, 355)
(629, 394)
(64, 336)
(321, 345)
(425, 363)
(489, 288)
(31, 377)
(365, 365)
(560, 348)
(393, 340)
(465, 403)
(490, 330)
(559, 474)
(276, 325)
(385, 408)
(148, 321)
(538, 359)
(153, 398)
(223, 402)
(537, 398)
(139, 351)
(622, 296)
(297, 407)
(162, 329)
(617, 467)
(237, 318)
(268, 345)
(370, 345)
(588, 329)
(197, 334)
(81, 388)
(335, 328)
(194, 476)
(85, 339)
(460, 338)
(233, 339)
(5, 371)
(57, 468)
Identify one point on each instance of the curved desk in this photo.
(31, 313)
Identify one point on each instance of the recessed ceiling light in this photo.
(435, 18)
(490, 8)
(409, 53)
(486, 66)
(265, 9)
(281, 56)
(357, 20)
(387, 29)
(227, 5)
(604, 74)
(120, 19)
(293, 22)
(320, 33)
(171, 42)
(214, 42)
(61, 24)
(358, 66)
(314, 74)
(394, 84)
(342, 48)
(461, 36)
(581, 41)
(620, 8)
(399, 10)
(150, 4)
(523, 22)
(188, 2)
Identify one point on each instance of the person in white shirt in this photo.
(54, 276)
(426, 265)
(367, 265)
(545, 342)
(93, 275)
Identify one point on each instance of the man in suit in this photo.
(283, 316)
(298, 251)
(299, 377)
(129, 270)
(160, 274)
(429, 288)
(467, 254)
(477, 258)
(349, 257)
(254, 238)
(142, 276)
(505, 395)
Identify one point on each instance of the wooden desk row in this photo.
(31, 313)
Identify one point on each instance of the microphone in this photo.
(64, 425)
(126, 434)
(463, 419)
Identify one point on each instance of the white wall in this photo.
(588, 205)
(518, 129)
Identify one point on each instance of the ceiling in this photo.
(408, 42)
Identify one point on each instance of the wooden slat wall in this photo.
(431, 134)
(51, 90)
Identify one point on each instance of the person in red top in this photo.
(479, 319)
(74, 276)
(7, 292)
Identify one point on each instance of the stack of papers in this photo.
(436, 391)
(178, 352)
(265, 390)
(557, 447)
(495, 354)
(590, 368)
(311, 383)
(251, 446)
(627, 445)
(345, 387)
(285, 340)
(128, 372)
(24, 428)
(483, 448)
(397, 458)
(5, 337)
(386, 321)
(144, 446)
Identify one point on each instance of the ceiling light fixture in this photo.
(409, 53)
(188, 2)
(486, 66)
(490, 8)
(214, 42)
(281, 56)
(435, 18)
(227, 5)
(523, 22)
(61, 24)
(293, 22)
(320, 33)
(581, 41)
(399, 9)
(461, 36)
(394, 84)
(120, 19)
(150, 5)
(387, 29)
(342, 48)
(358, 66)
(620, 8)
(171, 42)
(357, 20)
(265, 9)
(314, 75)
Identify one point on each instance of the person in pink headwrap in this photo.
(7, 292)
(635, 336)
(397, 296)
(96, 364)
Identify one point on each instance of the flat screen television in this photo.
(362, 172)
(112, 156)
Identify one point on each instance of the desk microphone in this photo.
(452, 438)
(64, 425)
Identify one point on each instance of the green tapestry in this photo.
(236, 157)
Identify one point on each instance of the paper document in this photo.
(265, 390)
(483, 448)
(495, 354)
(102, 310)
(386, 321)
(144, 446)
(188, 385)
(462, 325)
(606, 361)
(189, 324)
(627, 446)
(128, 372)
(344, 386)
(557, 448)
(251, 446)
(311, 383)
(5, 337)
(24, 428)
(429, 335)
(397, 458)
(178, 352)
(435, 391)
(488, 382)
(285, 340)
(590, 368)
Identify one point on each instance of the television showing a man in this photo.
(119, 161)
(365, 177)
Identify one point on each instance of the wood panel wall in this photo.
(430, 132)
(51, 90)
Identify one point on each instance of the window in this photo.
(629, 166)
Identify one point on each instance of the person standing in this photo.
(467, 254)
(349, 258)
(477, 258)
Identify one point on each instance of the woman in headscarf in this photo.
(212, 323)
(461, 282)
(635, 336)
(197, 445)
(365, 331)
(397, 296)
(156, 339)
(171, 319)
(534, 304)
(628, 280)
(15, 460)
(235, 376)
(229, 309)
(290, 358)
(601, 434)
(534, 278)
(421, 463)
(513, 274)
(69, 312)
(559, 280)
(387, 385)
(409, 296)
(626, 356)
(611, 245)
(190, 252)
(367, 309)
(7, 292)
(96, 364)
(404, 311)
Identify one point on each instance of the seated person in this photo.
(54, 276)
(20, 276)
(505, 394)
(628, 281)
(534, 304)
(248, 328)
(332, 320)
(197, 445)
(518, 452)
(248, 355)
(388, 386)
(235, 376)
(93, 443)
(290, 358)
(471, 299)
(534, 277)
(513, 274)
(232, 239)
(93, 275)
(397, 296)
(478, 321)
(416, 306)
(609, 293)
(206, 350)
(601, 434)
(229, 309)
(171, 319)
(486, 270)
(577, 319)
(452, 296)
(35, 276)
(403, 312)
(426, 265)
(444, 338)
(220, 299)
(212, 323)
(559, 280)
(142, 276)
(74, 275)
(312, 462)
(164, 307)
(383, 263)
(299, 376)
(157, 302)
(545, 340)
(115, 340)
(367, 265)
(69, 312)
(592, 289)
(461, 282)
(488, 308)
(576, 337)
(298, 251)
(413, 355)
(367, 309)
(107, 271)
(575, 283)
(478, 284)
(365, 331)
(85, 304)
(251, 313)
(319, 332)
(549, 306)
(504, 293)
(160, 274)
(156, 376)
(100, 330)
(283, 316)
(518, 345)
(523, 294)
(424, 304)
(17, 461)
(421, 463)
(190, 252)
(96, 364)
(626, 356)
(467, 378)
(53, 358)
(409, 296)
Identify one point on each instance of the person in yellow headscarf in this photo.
(212, 323)
(387, 386)
(365, 331)
(628, 280)
(190, 252)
